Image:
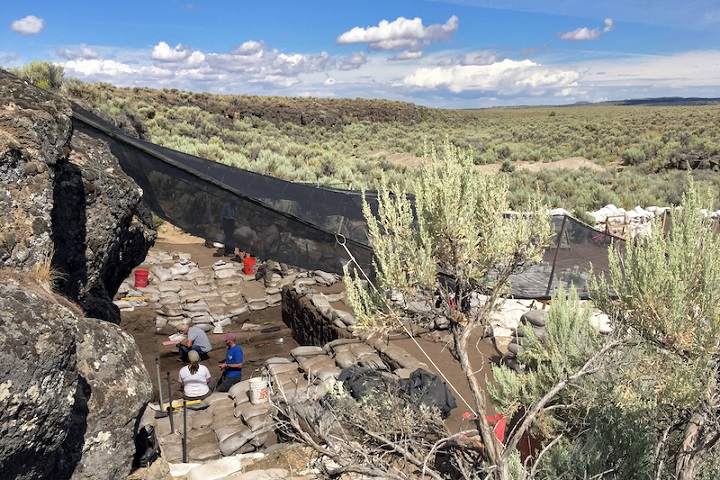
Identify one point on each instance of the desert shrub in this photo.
(508, 166)
(46, 75)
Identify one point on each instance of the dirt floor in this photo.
(258, 347)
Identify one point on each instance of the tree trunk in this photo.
(689, 458)
(494, 449)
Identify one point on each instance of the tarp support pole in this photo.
(557, 250)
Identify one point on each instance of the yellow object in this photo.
(179, 403)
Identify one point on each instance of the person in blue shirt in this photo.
(232, 366)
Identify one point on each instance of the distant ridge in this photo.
(632, 102)
(660, 101)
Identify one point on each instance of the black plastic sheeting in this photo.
(300, 224)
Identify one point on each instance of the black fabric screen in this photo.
(297, 223)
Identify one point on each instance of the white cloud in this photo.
(698, 69)
(164, 53)
(328, 82)
(508, 77)
(352, 62)
(400, 34)
(107, 70)
(251, 47)
(82, 51)
(407, 55)
(477, 57)
(584, 34)
(196, 58)
(29, 25)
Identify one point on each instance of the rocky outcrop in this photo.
(64, 197)
(71, 388)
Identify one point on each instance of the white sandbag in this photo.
(304, 351)
(229, 429)
(239, 310)
(234, 442)
(240, 388)
(277, 360)
(171, 286)
(328, 277)
(259, 422)
(179, 271)
(346, 317)
(226, 273)
(345, 359)
(196, 307)
(160, 322)
(161, 274)
(181, 469)
(203, 319)
(268, 474)
(205, 327)
(373, 362)
(274, 299)
(278, 368)
(362, 349)
(260, 409)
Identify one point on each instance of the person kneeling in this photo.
(195, 379)
(232, 366)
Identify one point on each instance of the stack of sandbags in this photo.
(536, 320)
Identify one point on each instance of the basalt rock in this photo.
(64, 197)
(71, 388)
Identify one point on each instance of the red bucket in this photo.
(141, 278)
(249, 265)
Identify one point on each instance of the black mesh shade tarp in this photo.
(297, 223)
(273, 219)
(568, 261)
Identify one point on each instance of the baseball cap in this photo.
(193, 356)
(229, 336)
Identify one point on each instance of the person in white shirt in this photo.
(195, 379)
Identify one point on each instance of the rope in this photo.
(341, 241)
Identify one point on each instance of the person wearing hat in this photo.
(195, 379)
(232, 366)
(195, 339)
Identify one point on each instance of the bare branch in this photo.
(547, 448)
(586, 369)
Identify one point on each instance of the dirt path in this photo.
(572, 163)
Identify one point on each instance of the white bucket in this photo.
(258, 390)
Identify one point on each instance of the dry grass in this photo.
(40, 282)
(44, 273)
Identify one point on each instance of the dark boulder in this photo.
(71, 388)
(65, 200)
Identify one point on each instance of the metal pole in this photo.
(162, 413)
(557, 250)
(184, 432)
(170, 407)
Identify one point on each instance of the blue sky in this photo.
(450, 54)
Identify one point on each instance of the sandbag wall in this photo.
(309, 326)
